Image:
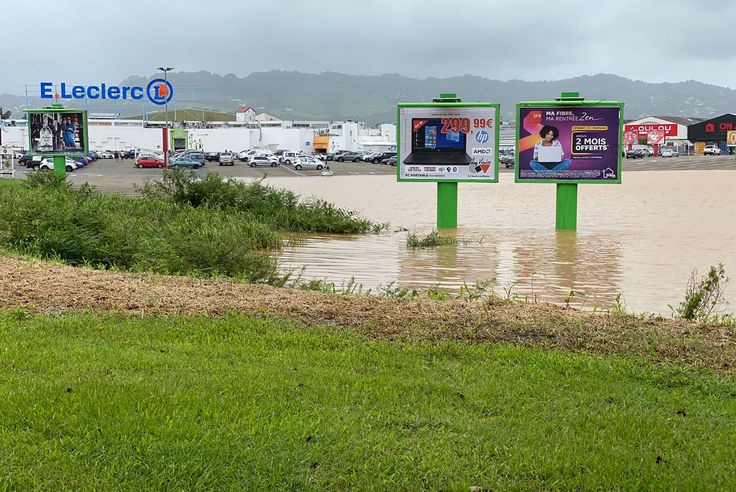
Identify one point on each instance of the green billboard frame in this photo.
(497, 124)
(562, 103)
(58, 110)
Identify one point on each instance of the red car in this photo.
(149, 162)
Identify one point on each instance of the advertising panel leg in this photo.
(567, 206)
(60, 166)
(165, 146)
(446, 205)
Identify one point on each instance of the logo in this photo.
(482, 167)
(481, 137)
(608, 173)
(710, 128)
(160, 91)
(482, 151)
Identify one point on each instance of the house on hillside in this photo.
(245, 114)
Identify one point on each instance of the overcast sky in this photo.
(87, 41)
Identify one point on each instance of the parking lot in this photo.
(122, 176)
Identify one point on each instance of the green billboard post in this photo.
(57, 132)
(568, 141)
(448, 142)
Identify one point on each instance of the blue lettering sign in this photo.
(158, 91)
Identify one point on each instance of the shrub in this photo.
(135, 234)
(280, 208)
(703, 295)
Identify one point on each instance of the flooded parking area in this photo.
(638, 241)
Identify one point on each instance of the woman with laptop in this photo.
(548, 153)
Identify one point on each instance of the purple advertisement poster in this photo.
(569, 144)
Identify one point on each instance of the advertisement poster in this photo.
(57, 132)
(631, 138)
(569, 144)
(439, 143)
(655, 137)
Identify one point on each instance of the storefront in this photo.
(659, 131)
(712, 132)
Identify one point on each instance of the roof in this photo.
(245, 109)
(680, 120)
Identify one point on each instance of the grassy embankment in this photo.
(103, 402)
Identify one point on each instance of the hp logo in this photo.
(481, 137)
(159, 91)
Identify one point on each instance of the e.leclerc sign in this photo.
(158, 91)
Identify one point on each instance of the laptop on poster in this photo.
(547, 155)
(430, 146)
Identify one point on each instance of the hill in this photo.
(338, 96)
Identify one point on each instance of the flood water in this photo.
(640, 239)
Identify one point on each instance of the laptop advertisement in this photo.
(568, 144)
(448, 143)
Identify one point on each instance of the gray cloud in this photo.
(88, 41)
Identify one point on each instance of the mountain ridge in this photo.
(331, 95)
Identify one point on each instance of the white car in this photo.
(711, 150)
(48, 165)
(247, 155)
(263, 160)
(308, 163)
(288, 157)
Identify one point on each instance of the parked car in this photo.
(149, 161)
(712, 150)
(263, 160)
(349, 156)
(380, 156)
(389, 161)
(636, 154)
(247, 155)
(184, 161)
(48, 165)
(25, 160)
(669, 152)
(212, 156)
(227, 159)
(195, 155)
(507, 158)
(308, 163)
(288, 157)
(81, 161)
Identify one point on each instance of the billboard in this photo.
(448, 142)
(569, 143)
(57, 132)
(631, 137)
(731, 138)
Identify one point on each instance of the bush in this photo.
(703, 296)
(108, 231)
(280, 208)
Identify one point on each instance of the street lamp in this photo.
(166, 70)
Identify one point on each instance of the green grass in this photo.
(431, 240)
(93, 402)
(10, 183)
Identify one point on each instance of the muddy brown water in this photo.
(639, 240)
